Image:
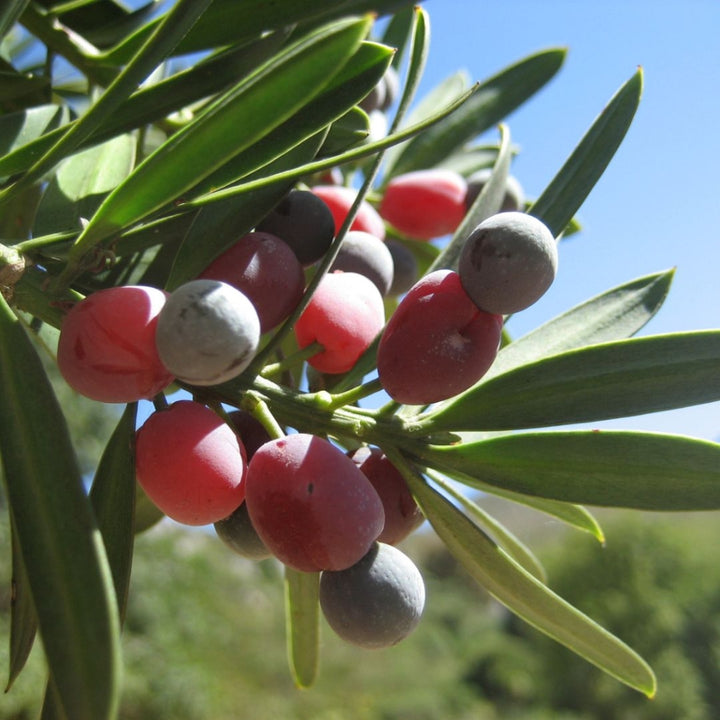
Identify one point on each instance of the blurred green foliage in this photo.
(203, 637)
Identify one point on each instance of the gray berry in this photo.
(238, 533)
(508, 262)
(367, 255)
(514, 198)
(376, 602)
(207, 332)
(405, 267)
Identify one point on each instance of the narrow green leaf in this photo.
(175, 24)
(506, 539)
(398, 33)
(112, 496)
(14, 85)
(217, 226)
(23, 618)
(81, 183)
(155, 102)
(10, 11)
(471, 158)
(228, 22)
(615, 314)
(496, 98)
(346, 132)
(257, 105)
(568, 189)
(302, 616)
(609, 380)
(646, 471)
(576, 516)
(360, 74)
(487, 203)
(61, 546)
(19, 128)
(527, 597)
(147, 513)
(446, 92)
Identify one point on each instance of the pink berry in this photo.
(425, 204)
(107, 348)
(310, 504)
(437, 343)
(345, 315)
(266, 270)
(190, 463)
(402, 514)
(339, 199)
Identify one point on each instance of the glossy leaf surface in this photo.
(65, 561)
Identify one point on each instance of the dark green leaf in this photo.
(615, 314)
(348, 86)
(527, 597)
(217, 226)
(646, 471)
(10, 11)
(568, 189)
(599, 382)
(17, 85)
(257, 106)
(168, 33)
(496, 97)
(113, 499)
(23, 618)
(155, 102)
(147, 513)
(60, 543)
(302, 616)
(346, 132)
(19, 128)
(229, 22)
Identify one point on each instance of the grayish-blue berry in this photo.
(508, 262)
(363, 253)
(207, 332)
(376, 602)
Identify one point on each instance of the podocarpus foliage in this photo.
(143, 170)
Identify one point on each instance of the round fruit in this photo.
(405, 268)
(363, 253)
(514, 198)
(340, 199)
(303, 221)
(402, 514)
(344, 315)
(106, 349)
(207, 332)
(265, 269)
(238, 533)
(377, 602)
(437, 343)
(190, 463)
(425, 204)
(311, 505)
(508, 262)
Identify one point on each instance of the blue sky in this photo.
(657, 205)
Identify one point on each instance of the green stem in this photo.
(354, 394)
(291, 361)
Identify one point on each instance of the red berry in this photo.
(425, 204)
(339, 199)
(267, 271)
(311, 505)
(437, 343)
(107, 348)
(345, 315)
(190, 463)
(402, 515)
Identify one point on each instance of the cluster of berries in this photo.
(300, 498)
